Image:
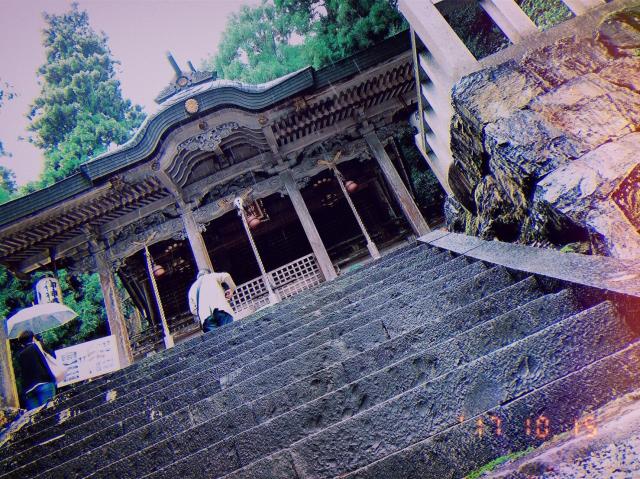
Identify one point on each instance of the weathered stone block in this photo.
(519, 127)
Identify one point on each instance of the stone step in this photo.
(499, 378)
(464, 446)
(307, 418)
(526, 422)
(225, 421)
(150, 396)
(110, 426)
(150, 383)
(495, 379)
(205, 350)
(400, 256)
(421, 257)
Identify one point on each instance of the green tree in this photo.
(334, 29)
(480, 33)
(257, 46)
(7, 184)
(546, 13)
(7, 177)
(265, 42)
(77, 115)
(80, 110)
(6, 93)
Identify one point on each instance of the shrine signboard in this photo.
(89, 360)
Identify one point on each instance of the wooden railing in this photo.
(445, 59)
(286, 280)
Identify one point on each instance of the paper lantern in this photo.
(351, 186)
(158, 270)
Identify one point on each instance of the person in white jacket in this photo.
(209, 299)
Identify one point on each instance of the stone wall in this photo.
(547, 147)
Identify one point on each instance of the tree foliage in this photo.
(546, 13)
(480, 33)
(334, 29)
(265, 42)
(7, 176)
(256, 46)
(80, 110)
(6, 93)
(77, 115)
(7, 184)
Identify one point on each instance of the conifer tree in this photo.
(7, 184)
(77, 115)
(6, 93)
(80, 110)
(7, 176)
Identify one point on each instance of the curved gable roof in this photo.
(210, 96)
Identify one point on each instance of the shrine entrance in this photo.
(283, 185)
(281, 243)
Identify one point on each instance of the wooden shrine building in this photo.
(261, 181)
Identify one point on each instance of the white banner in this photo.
(88, 360)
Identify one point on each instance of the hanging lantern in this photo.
(253, 221)
(256, 213)
(158, 270)
(351, 186)
(48, 291)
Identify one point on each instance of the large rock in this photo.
(544, 146)
(587, 192)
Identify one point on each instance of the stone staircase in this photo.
(424, 364)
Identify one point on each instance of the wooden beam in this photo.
(113, 305)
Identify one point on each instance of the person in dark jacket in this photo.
(38, 383)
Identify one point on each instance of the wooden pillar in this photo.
(510, 18)
(409, 207)
(196, 241)
(191, 227)
(113, 305)
(582, 6)
(438, 36)
(8, 388)
(319, 250)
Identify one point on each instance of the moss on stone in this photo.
(490, 466)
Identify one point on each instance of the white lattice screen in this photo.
(290, 279)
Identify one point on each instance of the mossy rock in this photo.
(582, 247)
(619, 32)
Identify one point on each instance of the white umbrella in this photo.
(39, 318)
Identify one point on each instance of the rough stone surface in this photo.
(470, 390)
(369, 375)
(543, 146)
(459, 449)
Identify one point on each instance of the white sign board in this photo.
(88, 360)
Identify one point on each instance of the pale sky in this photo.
(139, 31)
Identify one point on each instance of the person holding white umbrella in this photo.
(40, 370)
(38, 381)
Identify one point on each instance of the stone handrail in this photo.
(445, 59)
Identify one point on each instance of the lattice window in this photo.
(288, 280)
